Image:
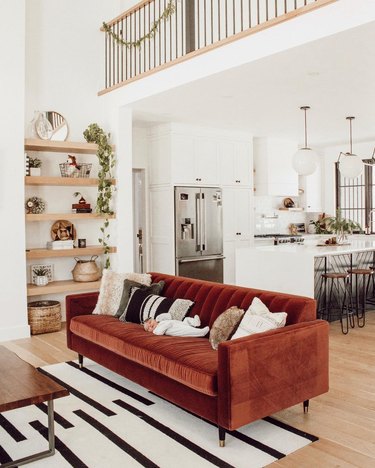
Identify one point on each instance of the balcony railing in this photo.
(155, 34)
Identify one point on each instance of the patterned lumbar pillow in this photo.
(111, 287)
(225, 325)
(154, 288)
(258, 319)
(143, 305)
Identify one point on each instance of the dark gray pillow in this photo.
(154, 288)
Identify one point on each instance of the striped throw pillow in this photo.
(142, 305)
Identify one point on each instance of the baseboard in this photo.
(14, 333)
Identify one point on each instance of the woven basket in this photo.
(86, 270)
(44, 316)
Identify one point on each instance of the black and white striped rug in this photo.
(108, 421)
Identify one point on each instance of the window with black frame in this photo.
(356, 198)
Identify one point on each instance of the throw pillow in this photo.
(143, 305)
(225, 325)
(258, 319)
(111, 288)
(155, 288)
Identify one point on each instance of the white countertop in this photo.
(357, 243)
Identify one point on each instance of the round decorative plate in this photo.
(63, 230)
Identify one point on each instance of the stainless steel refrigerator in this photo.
(199, 233)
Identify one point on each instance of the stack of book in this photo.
(60, 244)
(81, 208)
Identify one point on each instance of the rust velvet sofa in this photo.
(244, 380)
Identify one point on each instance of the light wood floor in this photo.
(343, 419)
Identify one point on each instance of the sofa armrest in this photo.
(78, 304)
(261, 374)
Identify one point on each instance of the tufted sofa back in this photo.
(212, 299)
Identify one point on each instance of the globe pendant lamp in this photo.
(350, 165)
(305, 160)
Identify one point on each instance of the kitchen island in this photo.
(297, 268)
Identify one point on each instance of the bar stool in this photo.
(360, 310)
(346, 305)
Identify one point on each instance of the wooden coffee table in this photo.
(22, 385)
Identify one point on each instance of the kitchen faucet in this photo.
(369, 220)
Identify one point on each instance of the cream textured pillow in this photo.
(111, 290)
(259, 319)
(224, 325)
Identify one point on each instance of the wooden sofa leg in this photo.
(222, 432)
(80, 361)
(306, 406)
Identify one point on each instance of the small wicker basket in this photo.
(82, 170)
(44, 316)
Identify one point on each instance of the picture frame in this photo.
(47, 266)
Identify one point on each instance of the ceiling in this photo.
(335, 76)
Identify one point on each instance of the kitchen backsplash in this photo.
(269, 219)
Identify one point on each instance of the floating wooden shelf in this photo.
(66, 286)
(61, 146)
(64, 181)
(49, 253)
(68, 216)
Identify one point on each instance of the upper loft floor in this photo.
(154, 35)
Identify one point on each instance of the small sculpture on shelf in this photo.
(82, 206)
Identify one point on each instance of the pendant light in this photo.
(305, 160)
(350, 165)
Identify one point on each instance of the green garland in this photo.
(167, 13)
(95, 134)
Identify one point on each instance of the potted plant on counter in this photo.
(341, 227)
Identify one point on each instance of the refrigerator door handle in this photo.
(198, 221)
(203, 211)
(201, 259)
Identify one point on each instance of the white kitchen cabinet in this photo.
(235, 163)
(311, 198)
(194, 161)
(237, 226)
(274, 174)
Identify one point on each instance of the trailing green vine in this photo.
(95, 134)
(167, 13)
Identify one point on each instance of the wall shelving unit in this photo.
(64, 286)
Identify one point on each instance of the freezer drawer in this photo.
(204, 268)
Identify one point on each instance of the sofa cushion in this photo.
(225, 325)
(190, 361)
(111, 287)
(154, 288)
(259, 319)
(142, 305)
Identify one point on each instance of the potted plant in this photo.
(35, 166)
(41, 276)
(341, 227)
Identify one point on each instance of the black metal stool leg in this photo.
(361, 318)
(344, 307)
(350, 301)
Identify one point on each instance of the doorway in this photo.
(139, 220)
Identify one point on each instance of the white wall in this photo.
(65, 60)
(13, 312)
